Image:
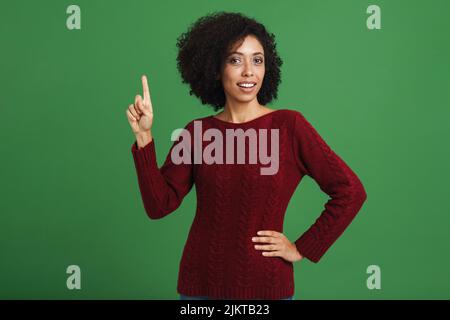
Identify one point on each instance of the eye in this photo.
(235, 59)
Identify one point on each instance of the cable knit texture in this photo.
(234, 201)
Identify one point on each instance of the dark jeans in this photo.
(183, 297)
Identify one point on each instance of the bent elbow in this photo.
(155, 213)
(363, 196)
(359, 194)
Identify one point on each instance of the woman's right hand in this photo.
(140, 114)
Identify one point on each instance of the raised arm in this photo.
(140, 115)
(162, 189)
(334, 177)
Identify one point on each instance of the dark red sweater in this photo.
(235, 200)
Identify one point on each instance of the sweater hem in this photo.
(240, 293)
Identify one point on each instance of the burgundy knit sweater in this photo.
(234, 201)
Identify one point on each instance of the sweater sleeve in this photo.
(162, 189)
(347, 194)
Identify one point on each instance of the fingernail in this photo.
(254, 239)
(259, 232)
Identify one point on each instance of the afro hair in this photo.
(203, 49)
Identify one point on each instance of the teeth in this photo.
(246, 85)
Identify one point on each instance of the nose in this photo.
(248, 71)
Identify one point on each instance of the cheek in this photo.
(230, 79)
(232, 75)
(261, 73)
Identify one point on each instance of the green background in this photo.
(69, 192)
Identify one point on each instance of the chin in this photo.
(245, 98)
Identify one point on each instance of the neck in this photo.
(241, 112)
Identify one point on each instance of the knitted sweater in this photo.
(235, 200)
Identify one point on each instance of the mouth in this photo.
(246, 86)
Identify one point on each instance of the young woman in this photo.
(236, 248)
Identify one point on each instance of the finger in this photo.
(133, 111)
(269, 240)
(269, 233)
(268, 247)
(130, 116)
(265, 239)
(138, 103)
(272, 253)
(146, 91)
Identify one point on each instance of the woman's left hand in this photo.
(278, 246)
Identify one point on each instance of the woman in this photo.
(236, 248)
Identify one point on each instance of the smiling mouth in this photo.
(246, 85)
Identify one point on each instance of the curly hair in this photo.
(203, 48)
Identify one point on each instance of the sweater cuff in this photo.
(145, 157)
(310, 247)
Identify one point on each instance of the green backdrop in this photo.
(69, 192)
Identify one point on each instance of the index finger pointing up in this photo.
(146, 91)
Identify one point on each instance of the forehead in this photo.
(250, 45)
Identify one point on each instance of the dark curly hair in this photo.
(203, 48)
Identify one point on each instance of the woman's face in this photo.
(243, 64)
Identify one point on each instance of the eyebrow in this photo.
(240, 53)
